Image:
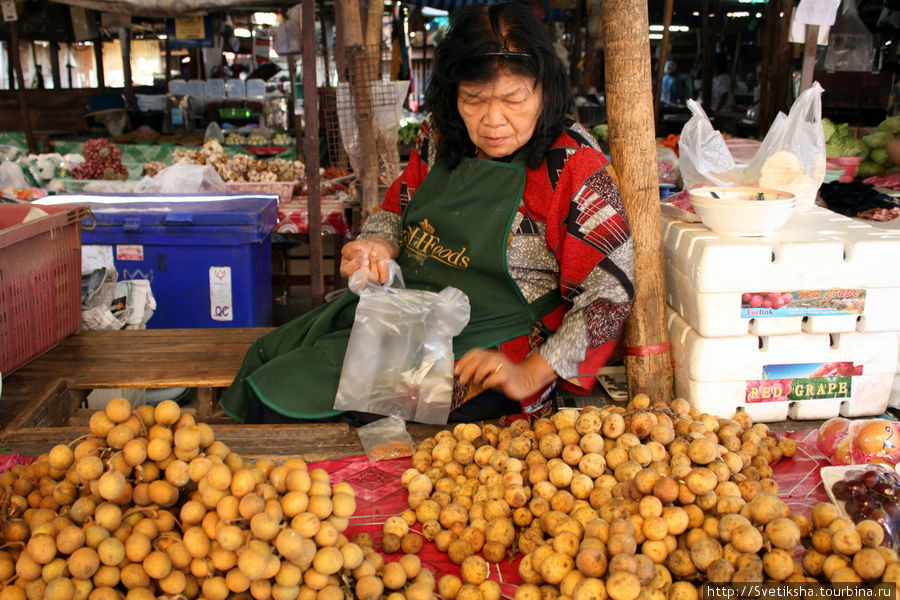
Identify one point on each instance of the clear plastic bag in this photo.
(214, 132)
(703, 157)
(791, 157)
(399, 359)
(386, 439)
(850, 46)
(183, 178)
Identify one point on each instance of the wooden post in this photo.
(706, 51)
(629, 98)
(776, 64)
(374, 18)
(298, 122)
(20, 85)
(810, 47)
(98, 58)
(663, 56)
(54, 66)
(311, 154)
(125, 47)
(360, 90)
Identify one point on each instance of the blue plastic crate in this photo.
(208, 262)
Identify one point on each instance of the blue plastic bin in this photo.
(208, 262)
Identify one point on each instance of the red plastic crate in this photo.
(40, 281)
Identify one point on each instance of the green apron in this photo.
(445, 241)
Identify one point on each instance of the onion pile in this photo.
(102, 160)
(150, 504)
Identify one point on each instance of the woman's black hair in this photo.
(482, 40)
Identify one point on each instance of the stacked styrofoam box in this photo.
(894, 400)
(721, 350)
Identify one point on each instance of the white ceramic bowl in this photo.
(743, 211)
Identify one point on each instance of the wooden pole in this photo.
(98, 58)
(20, 85)
(298, 122)
(125, 47)
(311, 154)
(374, 18)
(54, 66)
(629, 98)
(360, 90)
(706, 51)
(663, 56)
(810, 47)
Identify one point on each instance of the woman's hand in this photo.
(370, 254)
(491, 370)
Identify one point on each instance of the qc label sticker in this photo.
(220, 307)
(129, 252)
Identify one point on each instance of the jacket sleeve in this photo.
(588, 231)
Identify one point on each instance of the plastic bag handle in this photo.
(359, 282)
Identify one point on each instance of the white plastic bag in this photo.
(214, 132)
(705, 159)
(183, 178)
(399, 359)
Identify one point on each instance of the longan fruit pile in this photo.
(150, 504)
(646, 502)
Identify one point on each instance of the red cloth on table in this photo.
(293, 216)
(379, 495)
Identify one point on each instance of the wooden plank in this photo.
(311, 442)
(135, 359)
(53, 411)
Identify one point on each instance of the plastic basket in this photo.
(283, 189)
(40, 281)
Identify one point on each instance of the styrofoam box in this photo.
(707, 273)
(894, 400)
(714, 374)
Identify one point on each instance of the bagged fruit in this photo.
(833, 440)
(874, 440)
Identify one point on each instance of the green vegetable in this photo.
(868, 168)
(877, 139)
(829, 128)
(880, 156)
(407, 134)
(833, 149)
(891, 125)
(852, 146)
(601, 132)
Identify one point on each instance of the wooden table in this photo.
(206, 359)
(42, 403)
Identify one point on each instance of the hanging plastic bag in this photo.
(850, 45)
(399, 359)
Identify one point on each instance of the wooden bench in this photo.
(42, 403)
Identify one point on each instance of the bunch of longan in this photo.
(150, 504)
(641, 502)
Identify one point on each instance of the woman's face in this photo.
(500, 115)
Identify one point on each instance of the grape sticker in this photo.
(803, 303)
(805, 381)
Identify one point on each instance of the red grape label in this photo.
(803, 381)
(803, 303)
